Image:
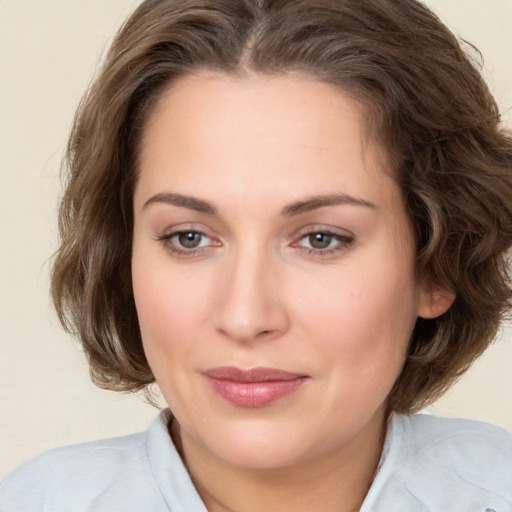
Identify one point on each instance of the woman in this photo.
(298, 228)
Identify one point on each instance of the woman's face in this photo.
(273, 268)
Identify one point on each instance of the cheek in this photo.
(168, 307)
(363, 318)
(169, 318)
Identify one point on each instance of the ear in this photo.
(434, 300)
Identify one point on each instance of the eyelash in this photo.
(343, 242)
(166, 240)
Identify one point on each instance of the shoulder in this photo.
(73, 477)
(429, 429)
(448, 464)
(481, 453)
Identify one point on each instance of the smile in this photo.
(253, 388)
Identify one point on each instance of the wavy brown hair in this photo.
(425, 100)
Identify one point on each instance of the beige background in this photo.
(48, 51)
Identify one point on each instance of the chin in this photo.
(260, 457)
(256, 448)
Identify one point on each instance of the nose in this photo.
(250, 303)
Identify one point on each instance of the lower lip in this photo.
(254, 394)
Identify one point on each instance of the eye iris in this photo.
(189, 240)
(320, 240)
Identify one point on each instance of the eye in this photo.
(323, 242)
(187, 242)
(189, 239)
(320, 240)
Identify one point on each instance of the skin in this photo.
(258, 290)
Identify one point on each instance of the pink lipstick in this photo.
(257, 387)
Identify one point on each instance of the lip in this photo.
(257, 387)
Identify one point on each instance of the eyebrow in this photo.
(315, 202)
(297, 208)
(191, 203)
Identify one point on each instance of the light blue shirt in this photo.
(428, 464)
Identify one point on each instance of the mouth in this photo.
(257, 387)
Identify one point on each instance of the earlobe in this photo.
(434, 301)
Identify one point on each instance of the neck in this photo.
(334, 482)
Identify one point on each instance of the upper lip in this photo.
(258, 374)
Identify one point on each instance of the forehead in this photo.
(260, 105)
(213, 133)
